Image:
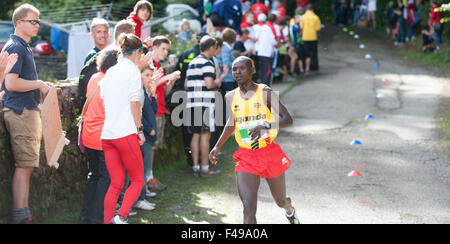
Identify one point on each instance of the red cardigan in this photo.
(138, 23)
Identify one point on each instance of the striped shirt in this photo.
(197, 93)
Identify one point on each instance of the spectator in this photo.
(21, 113)
(142, 12)
(356, 12)
(149, 77)
(231, 13)
(371, 14)
(310, 25)
(283, 50)
(182, 65)
(279, 9)
(122, 133)
(239, 45)
(226, 59)
(247, 20)
(427, 40)
(401, 17)
(161, 47)
(435, 23)
(6, 64)
(264, 47)
(275, 31)
(200, 84)
(259, 8)
(100, 34)
(123, 26)
(93, 115)
(184, 37)
(391, 19)
(297, 42)
(411, 20)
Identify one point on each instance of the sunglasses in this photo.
(33, 22)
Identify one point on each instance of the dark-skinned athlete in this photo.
(250, 116)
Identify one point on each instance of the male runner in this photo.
(258, 156)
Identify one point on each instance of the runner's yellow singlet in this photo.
(249, 113)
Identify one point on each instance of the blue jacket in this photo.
(230, 11)
(149, 117)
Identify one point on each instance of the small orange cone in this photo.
(354, 173)
(385, 79)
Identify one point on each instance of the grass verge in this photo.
(187, 199)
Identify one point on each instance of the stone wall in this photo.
(57, 190)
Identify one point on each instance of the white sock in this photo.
(150, 177)
(205, 168)
(196, 167)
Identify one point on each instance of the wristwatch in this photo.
(267, 125)
(140, 129)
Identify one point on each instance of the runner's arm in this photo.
(227, 132)
(273, 102)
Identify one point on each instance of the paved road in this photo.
(405, 171)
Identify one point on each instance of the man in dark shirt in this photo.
(23, 93)
(100, 34)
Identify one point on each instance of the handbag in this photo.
(80, 123)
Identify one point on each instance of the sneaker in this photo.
(293, 219)
(118, 220)
(132, 212)
(210, 172)
(155, 185)
(29, 220)
(150, 193)
(144, 205)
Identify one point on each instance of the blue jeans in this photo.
(97, 185)
(401, 30)
(147, 152)
(356, 17)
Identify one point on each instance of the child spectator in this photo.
(161, 47)
(297, 42)
(184, 37)
(401, 17)
(391, 19)
(142, 12)
(149, 109)
(283, 50)
(435, 23)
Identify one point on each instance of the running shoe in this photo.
(118, 220)
(155, 185)
(293, 219)
(144, 205)
(149, 193)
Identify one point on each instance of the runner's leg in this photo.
(248, 185)
(278, 189)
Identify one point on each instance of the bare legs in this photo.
(248, 185)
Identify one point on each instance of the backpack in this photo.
(85, 75)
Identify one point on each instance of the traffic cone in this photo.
(356, 142)
(354, 173)
(369, 116)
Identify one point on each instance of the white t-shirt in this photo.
(372, 6)
(120, 86)
(265, 40)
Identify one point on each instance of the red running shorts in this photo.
(267, 162)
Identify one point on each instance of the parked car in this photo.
(41, 47)
(181, 11)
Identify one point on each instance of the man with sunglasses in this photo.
(23, 93)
